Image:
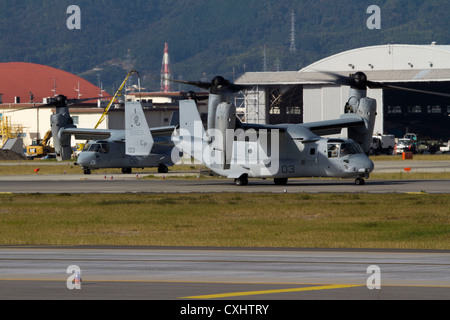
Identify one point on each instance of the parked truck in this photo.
(446, 147)
(382, 144)
(409, 143)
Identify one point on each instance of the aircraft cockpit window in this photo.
(104, 147)
(350, 148)
(333, 150)
(339, 150)
(97, 147)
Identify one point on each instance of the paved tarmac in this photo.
(122, 183)
(214, 273)
(172, 183)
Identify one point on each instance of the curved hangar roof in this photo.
(388, 63)
(391, 57)
(18, 79)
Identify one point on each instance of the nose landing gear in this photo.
(360, 181)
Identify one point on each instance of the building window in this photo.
(394, 109)
(434, 109)
(415, 109)
(76, 120)
(293, 110)
(275, 110)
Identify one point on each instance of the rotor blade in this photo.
(71, 102)
(356, 80)
(379, 85)
(54, 104)
(200, 84)
(217, 84)
(350, 81)
(338, 78)
(28, 108)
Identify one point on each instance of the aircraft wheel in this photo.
(87, 171)
(126, 170)
(280, 181)
(162, 168)
(360, 181)
(241, 181)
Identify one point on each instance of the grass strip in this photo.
(398, 221)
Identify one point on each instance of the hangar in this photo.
(306, 95)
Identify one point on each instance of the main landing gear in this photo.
(241, 181)
(162, 168)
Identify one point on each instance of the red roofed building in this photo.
(20, 79)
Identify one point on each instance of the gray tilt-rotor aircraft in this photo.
(137, 146)
(241, 151)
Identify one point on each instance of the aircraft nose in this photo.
(366, 165)
(84, 158)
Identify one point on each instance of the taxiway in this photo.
(221, 273)
(168, 184)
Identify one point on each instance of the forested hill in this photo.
(205, 37)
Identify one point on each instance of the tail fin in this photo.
(190, 120)
(175, 119)
(138, 138)
(191, 133)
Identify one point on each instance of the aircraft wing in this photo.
(319, 128)
(118, 135)
(88, 134)
(328, 127)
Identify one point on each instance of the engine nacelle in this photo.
(62, 143)
(367, 109)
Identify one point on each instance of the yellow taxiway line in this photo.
(251, 293)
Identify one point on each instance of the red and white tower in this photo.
(166, 84)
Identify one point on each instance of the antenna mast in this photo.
(265, 59)
(166, 75)
(293, 48)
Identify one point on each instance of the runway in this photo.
(174, 183)
(213, 273)
(122, 183)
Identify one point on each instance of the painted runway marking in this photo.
(251, 293)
